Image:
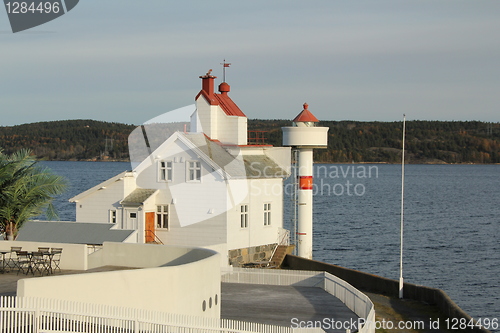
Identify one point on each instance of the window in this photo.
(162, 217)
(244, 216)
(194, 171)
(165, 171)
(267, 214)
(133, 215)
(112, 216)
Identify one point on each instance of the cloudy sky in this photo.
(129, 61)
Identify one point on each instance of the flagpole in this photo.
(401, 280)
(224, 65)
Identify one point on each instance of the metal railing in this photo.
(283, 239)
(150, 234)
(353, 299)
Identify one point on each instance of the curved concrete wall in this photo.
(187, 281)
(377, 284)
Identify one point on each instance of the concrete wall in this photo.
(145, 255)
(376, 284)
(74, 256)
(188, 279)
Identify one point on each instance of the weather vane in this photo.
(224, 65)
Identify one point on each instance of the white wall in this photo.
(193, 278)
(74, 256)
(95, 207)
(260, 191)
(207, 118)
(231, 129)
(197, 218)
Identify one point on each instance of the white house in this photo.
(206, 187)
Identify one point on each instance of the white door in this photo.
(131, 218)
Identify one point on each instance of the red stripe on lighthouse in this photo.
(306, 182)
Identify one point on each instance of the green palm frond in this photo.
(26, 189)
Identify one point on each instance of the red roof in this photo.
(305, 116)
(223, 100)
(228, 106)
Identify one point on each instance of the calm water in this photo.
(452, 221)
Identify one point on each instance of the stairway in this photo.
(279, 255)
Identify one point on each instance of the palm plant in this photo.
(26, 190)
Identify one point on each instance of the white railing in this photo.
(283, 236)
(34, 315)
(283, 239)
(355, 300)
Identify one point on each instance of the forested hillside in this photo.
(348, 141)
(69, 139)
(426, 141)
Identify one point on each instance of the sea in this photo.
(451, 222)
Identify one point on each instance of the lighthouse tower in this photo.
(305, 136)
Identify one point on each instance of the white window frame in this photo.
(267, 213)
(112, 216)
(244, 216)
(193, 171)
(165, 171)
(162, 217)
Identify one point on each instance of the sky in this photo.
(129, 61)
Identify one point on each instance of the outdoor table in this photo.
(47, 265)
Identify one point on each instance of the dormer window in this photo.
(165, 171)
(193, 171)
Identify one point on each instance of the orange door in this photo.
(150, 227)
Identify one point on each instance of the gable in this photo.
(102, 185)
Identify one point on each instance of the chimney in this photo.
(207, 83)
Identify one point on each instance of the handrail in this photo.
(155, 237)
(281, 241)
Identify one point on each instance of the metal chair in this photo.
(40, 263)
(56, 259)
(23, 262)
(12, 261)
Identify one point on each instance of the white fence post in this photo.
(37, 319)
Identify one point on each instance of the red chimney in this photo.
(207, 83)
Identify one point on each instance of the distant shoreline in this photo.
(342, 163)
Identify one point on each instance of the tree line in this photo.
(381, 142)
(348, 141)
(76, 140)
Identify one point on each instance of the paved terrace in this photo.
(276, 305)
